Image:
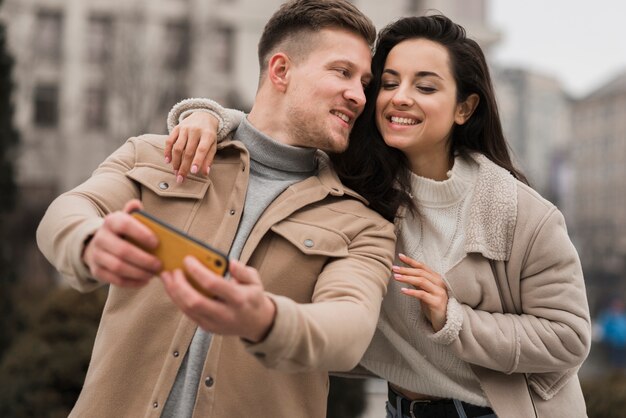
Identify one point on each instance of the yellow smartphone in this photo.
(174, 245)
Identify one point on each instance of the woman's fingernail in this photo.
(194, 169)
(395, 268)
(208, 169)
(167, 160)
(179, 179)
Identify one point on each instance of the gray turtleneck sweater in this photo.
(273, 168)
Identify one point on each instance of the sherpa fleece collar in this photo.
(493, 211)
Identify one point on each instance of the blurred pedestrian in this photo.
(612, 324)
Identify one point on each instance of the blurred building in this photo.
(90, 73)
(535, 113)
(598, 158)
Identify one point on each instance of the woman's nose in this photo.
(402, 98)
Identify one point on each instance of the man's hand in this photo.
(238, 306)
(192, 144)
(113, 259)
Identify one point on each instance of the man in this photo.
(304, 296)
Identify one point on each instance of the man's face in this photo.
(325, 93)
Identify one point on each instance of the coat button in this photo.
(308, 243)
(175, 353)
(232, 211)
(163, 185)
(155, 405)
(209, 381)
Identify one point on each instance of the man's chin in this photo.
(336, 149)
(338, 145)
(342, 148)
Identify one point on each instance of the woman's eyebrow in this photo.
(419, 74)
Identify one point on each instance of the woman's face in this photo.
(416, 107)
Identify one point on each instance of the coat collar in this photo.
(329, 179)
(326, 175)
(493, 211)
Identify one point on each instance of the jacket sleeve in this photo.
(75, 215)
(333, 332)
(552, 331)
(229, 119)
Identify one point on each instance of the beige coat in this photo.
(518, 311)
(323, 256)
(522, 269)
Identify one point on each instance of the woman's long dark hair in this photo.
(381, 173)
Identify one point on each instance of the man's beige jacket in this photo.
(323, 256)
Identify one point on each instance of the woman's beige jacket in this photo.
(524, 318)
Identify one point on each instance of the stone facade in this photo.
(598, 164)
(90, 73)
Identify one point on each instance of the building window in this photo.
(48, 35)
(96, 115)
(100, 39)
(46, 106)
(177, 48)
(224, 48)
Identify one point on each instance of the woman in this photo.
(486, 313)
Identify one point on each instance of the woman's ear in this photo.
(278, 70)
(465, 110)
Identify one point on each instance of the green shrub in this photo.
(43, 371)
(606, 396)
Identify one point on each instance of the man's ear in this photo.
(278, 68)
(465, 110)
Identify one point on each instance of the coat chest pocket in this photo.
(313, 239)
(162, 182)
(294, 257)
(164, 198)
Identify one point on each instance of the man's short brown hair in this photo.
(293, 23)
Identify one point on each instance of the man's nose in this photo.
(356, 95)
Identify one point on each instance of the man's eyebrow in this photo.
(368, 75)
(347, 63)
(341, 62)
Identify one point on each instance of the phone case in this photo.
(174, 245)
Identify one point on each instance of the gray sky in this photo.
(579, 42)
